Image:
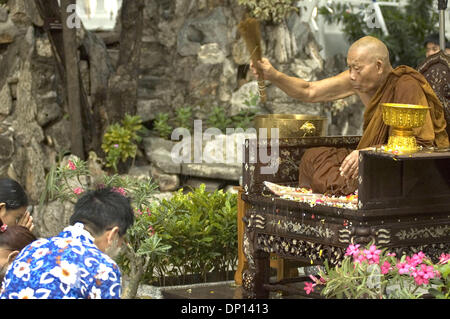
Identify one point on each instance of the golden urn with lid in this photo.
(403, 118)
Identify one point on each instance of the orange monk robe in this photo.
(319, 167)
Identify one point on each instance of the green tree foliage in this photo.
(269, 10)
(407, 27)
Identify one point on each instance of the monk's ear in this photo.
(380, 66)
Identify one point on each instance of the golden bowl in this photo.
(292, 125)
(403, 118)
(404, 115)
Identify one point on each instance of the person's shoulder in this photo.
(94, 258)
(408, 81)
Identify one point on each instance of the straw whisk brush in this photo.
(251, 33)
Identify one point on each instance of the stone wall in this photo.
(192, 55)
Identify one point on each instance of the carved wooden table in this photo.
(404, 204)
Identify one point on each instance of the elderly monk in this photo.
(370, 76)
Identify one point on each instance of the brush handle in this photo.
(262, 91)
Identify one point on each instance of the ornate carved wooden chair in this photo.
(436, 69)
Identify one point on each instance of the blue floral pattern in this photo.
(68, 265)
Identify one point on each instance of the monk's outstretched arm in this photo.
(330, 89)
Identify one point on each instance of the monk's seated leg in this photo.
(319, 170)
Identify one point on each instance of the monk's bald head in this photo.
(370, 48)
(368, 63)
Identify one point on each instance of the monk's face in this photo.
(366, 72)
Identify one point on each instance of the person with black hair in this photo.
(12, 240)
(77, 263)
(431, 45)
(13, 204)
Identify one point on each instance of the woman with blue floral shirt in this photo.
(76, 263)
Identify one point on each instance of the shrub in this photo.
(120, 140)
(162, 126)
(183, 117)
(201, 229)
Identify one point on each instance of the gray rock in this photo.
(51, 218)
(166, 182)
(158, 151)
(202, 30)
(5, 100)
(211, 54)
(49, 112)
(3, 14)
(8, 32)
(241, 97)
(57, 134)
(215, 171)
(33, 173)
(147, 109)
(43, 47)
(140, 171)
(6, 147)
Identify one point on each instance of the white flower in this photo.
(26, 293)
(95, 293)
(62, 242)
(39, 242)
(21, 269)
(67, 273)
(103, 272)
(40, 252)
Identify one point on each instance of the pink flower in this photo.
(309, 287)
(444, 258)
(359, 259)
(119, 190)
(372, 254)
(320, 281)
(385, 268)
(352, 250)
(72, 166)
(404, 268)
(422, 274)
(78, 190)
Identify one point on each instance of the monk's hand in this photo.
(264, 68)
(349, 167)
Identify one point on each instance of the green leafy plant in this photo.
(219, 119)
(244, 119)
(269, 10)
(201, 229)
(372, 273)
(407, 27)
(183, 117)
(120, 140)
(441, 288)
(144, 249)
(161, 125)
